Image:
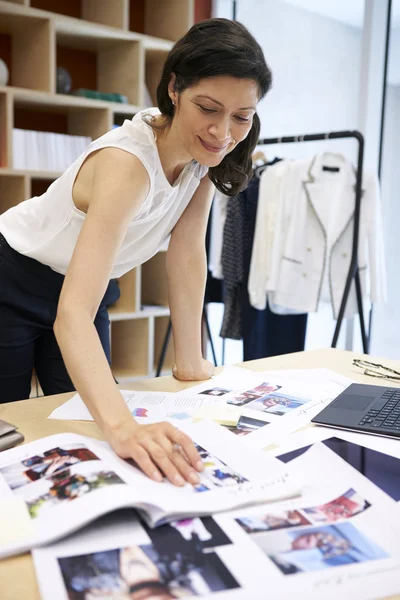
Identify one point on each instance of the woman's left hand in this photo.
(190, 372)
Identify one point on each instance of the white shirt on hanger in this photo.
(312, 215)
(218, 218)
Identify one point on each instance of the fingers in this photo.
(187, 445)
(172, 463)
(180, 461)
(167, 451)
(142, 458)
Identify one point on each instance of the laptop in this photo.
(364, 408)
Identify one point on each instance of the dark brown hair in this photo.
(211, 48)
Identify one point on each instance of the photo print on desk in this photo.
(277, 403)
(246, 425)
(180, 561)
(216, 473)
(46, 464)
(318, 548)
(63, 487)
(347, 505)
(216, 391)
(258, 392)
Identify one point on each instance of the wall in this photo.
(315, 62)
(386, 319)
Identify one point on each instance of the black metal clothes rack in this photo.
(354, 268)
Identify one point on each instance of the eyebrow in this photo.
(220, 103)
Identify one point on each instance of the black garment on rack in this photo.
(264, 332)
(233, 269)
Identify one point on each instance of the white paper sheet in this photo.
(342, 537)
(317, 433)
(284, 401)
(145, 406)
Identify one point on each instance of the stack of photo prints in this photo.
(255, 527)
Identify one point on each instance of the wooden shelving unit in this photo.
(114, 46)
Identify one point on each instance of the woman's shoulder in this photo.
(134, 136)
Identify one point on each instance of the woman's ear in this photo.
(171, 89)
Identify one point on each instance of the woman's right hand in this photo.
(159, 449)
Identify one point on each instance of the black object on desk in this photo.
(366, 408)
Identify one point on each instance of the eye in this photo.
(242, 119)
(206, 110)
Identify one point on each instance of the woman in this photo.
(111, 211)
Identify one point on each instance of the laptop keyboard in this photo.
(387, 417)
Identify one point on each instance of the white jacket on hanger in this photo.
(313, 235)
(218, 218)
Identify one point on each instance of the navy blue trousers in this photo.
(29, 293)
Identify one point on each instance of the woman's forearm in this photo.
(89, 370)
(187, 274)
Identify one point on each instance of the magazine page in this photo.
(340, 539)
(57, 484)
(337, 540)
(120, 558)
(273, 403)
(145, 406)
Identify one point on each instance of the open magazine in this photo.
(52, 487)
(340, 539)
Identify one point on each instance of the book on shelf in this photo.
(53, 486)
(46, 151)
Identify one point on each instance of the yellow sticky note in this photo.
(224, 415)
(15, 521)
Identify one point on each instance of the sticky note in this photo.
(224, 415)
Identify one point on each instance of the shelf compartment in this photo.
(154, 281)
(169, 19)
(130, 348)
(13, 190)
(73, 120)
(129, 287)
(26, 48)
(154, 63)
(113, 14)
(6, 130)
(102, 64)
(39, 185)
(160, 329)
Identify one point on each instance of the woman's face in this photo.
(213, 116)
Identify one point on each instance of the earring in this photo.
(173, 103)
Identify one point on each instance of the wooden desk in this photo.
(17, 576)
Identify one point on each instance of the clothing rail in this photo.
(353, 269)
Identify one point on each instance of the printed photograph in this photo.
(317, 548)
(181, 416)
(64, 487)
(198, 534)
(163, 571)
(216, 391)
(46, 464)
(246, 425)
(216, 473)
(349, 504)
(254, 394)
(140, 412)
(254, 523)
(277, 403)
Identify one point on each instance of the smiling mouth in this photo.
(212, 148)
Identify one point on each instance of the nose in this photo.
(221, 129)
